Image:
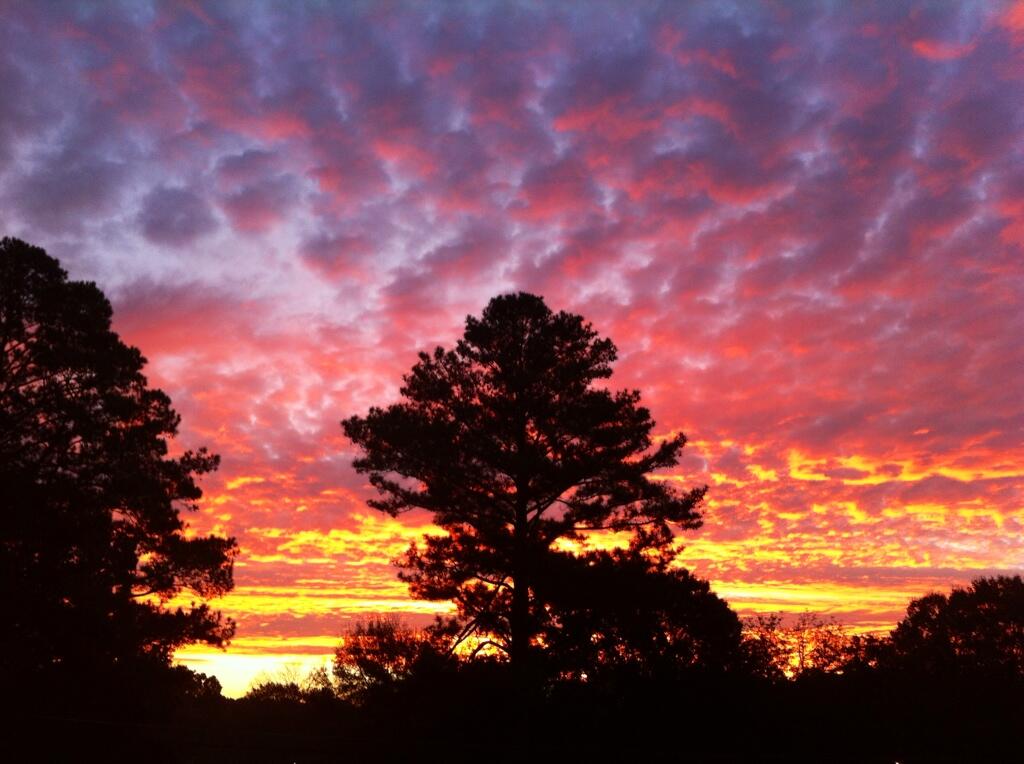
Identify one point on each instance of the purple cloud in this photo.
(175, 216)
(802, 227)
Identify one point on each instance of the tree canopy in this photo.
(513, 444)
(625, 612)
(976, 630)
(92, 543)
(378, 653)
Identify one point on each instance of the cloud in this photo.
(67, 191)
(175, 216)
(801, 228)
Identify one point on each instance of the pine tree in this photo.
(513, 445)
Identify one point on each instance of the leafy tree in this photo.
(974, 631)
(380, 652)
(289, 686)
(615, 611)
(91, 540)
(273, 691)
(766, 643)
(818, 644)
(513, 445)
(808, 645)
(862, 653)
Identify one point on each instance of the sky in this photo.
(801, 223)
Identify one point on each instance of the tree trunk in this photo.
(519, 619)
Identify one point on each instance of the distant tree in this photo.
(272, 691)
(381, 652)
(818, 644)
(623, 610)
(289, 686)
(863, 653)
(809, 644)
(974, 631)
(512, 446)
(91, 540)
(198, 685)
(767, 646)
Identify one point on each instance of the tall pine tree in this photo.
(510, 443)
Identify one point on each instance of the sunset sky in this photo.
(802, 224)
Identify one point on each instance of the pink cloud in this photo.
(939, 50)
(803, 231)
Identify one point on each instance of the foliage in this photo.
(810, 644)
(272, 691)
(511, 443)
(380, 652)
(623, 611)
(973, 632)
(91, 539)
(977, 631)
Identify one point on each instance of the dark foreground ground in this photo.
(820, 719)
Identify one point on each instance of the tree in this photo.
(974, 631)
(767, 645)
(92, 544)
(380, 652)
(619, 611)
(511, 443)
(289, 686)
(820, 645)
(809, 645)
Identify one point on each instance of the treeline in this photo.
(947, 684)
(515, 444)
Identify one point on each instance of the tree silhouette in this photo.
(611, 612)
(91, 540)
(510, 443)
(809, 645)
(380, 652)
(974, 631)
